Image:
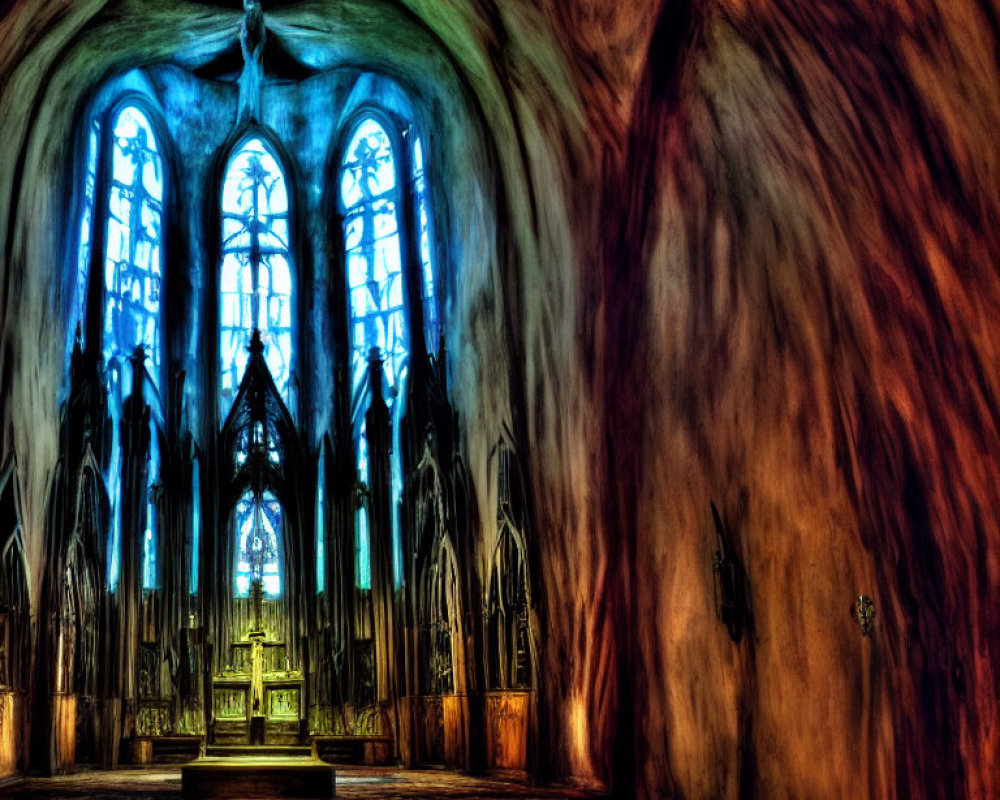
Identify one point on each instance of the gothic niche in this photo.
(15, 624)
(439, 617)
(510, 669)
(78, 660)
(258, 684)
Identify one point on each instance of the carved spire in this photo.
(253, 35)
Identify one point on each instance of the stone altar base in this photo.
(257, 778)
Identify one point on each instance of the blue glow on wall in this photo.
(255, 278)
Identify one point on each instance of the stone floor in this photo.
(386, 783)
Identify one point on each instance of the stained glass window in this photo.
(133, 272)
(368, 194)
(195, 524)
(255, 281)
(258, 532)
(149, 536)
(362, 567)
(113, 476)
(363, 575)
(86, 221)
(431, 329)
(133, 253)
(321, 524)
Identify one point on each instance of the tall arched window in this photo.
(431, 328)
(321, 521)
(149, 539)
(133, 267)
(133, 275)
(86, 222)
(195, 525)
(369, 191)
(255, 292)
(255, 285)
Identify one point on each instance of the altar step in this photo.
(258, 775)
(257, 750)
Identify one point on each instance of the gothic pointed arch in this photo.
(15, 610)
(256, 277)
(508, 602)
(370, 192)
(131, 232)
(439, 596)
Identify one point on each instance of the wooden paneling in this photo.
(63, 733)
(507, 730)
(10, 726)
(283, 706)
(431, 729)
(456, 720)
(231, 712)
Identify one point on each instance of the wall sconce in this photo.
(729, 583)
(863, 610)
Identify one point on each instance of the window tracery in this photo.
(133, 266)
(423, 220)
(374, 266)
(376, 292)
(86, 221)
(321, 523)
(149, 538)
(258, 531)
(255, 279)
(133, 274)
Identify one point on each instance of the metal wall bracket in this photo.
(863, 610)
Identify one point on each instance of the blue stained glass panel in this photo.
(321, 525)
(375, 296)
(86, 222)
(133, 273)
(149, 543)
(258, 532)
(195, 524)
(113, 477)
(255, 285)
(363, 568)
(431, 326)
(374, 268)
(133, 268)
